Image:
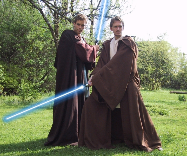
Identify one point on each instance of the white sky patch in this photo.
(151, 18)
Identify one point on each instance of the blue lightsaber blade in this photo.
(61, 97)
(102, 15)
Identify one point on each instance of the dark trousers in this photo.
(116, 126)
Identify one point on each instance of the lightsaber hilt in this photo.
(96, 42)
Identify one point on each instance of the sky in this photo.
(152, 18)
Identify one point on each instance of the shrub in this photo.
(182, 98)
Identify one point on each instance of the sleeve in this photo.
(85, 52)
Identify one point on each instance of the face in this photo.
(79, 26)
(117, 29)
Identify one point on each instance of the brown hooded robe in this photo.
(73, 59)
(116, 81)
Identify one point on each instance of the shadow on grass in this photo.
(37, 148)
(22, 146)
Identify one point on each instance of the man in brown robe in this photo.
(73, 60)
(115, 112)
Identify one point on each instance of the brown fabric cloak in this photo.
(117, 81)
(73, 60)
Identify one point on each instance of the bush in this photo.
(27, 51)
(182, 98)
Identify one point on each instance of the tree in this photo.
(179, 80)
(155, 64)
(55, 11)
(27, 51)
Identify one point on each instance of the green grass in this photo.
(26, 136)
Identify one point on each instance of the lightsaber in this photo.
(60, 97)
(101, 21)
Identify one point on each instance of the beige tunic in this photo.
(113, 51)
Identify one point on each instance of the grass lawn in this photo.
(26, 136)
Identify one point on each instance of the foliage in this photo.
(1, 79)
(179, 80)
(10, 83)
(27, 135)
(182, 98)
(158, 65)
(27, 51)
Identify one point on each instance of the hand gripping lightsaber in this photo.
(101, 20)
(60, 97)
